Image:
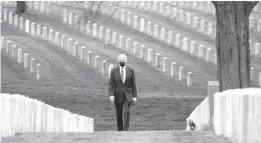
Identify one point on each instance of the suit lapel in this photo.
(127, 73)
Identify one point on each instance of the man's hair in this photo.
(122, 58)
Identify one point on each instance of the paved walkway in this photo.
(118, 137)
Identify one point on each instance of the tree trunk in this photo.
(232, 43)
(20, 7)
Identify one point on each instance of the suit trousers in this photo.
(123, 108)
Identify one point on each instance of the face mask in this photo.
(122, 64)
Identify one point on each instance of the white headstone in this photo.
(65, 16)
(121, 41)
(38, 74)
(96, 61)
(89, 57)
(27, 26)
(33, 29)
(188, 18)
(164, 64)
(75, 49)
(122, 15)
(208, 54)
(259, 26)
(170, 37)
(10, 18)
(148, 27)
(82, 23)
(26, 60)
(70, 18)
(189, 81)
(195, 22)
(21, 23)
(142, 25)
(82, 53)
(192, 47)
(38, 30)
(251, 20)
(135, 21)
(16, 21)
(5, 15)
(19, 55)
(172, 69)
(177, 41)
(149, 58)
(69, 45)
(181, 16)
(142, 47)
(32, 65)
(134, 49)
(94, 28)
(101, 31)
(156, 31)
(13, 50)
(114, 38)
(162, 34)
(210, 29)
(181, 71)
(56, 38)
(88, 28)
(161, 8)
(129, 18)
(202, 25)
(51, 35)
(167, 11)
(8, 43)
(42, 7)
(157, 60)
(45, 33)
(200, 51)
(185, 44)
(103, 66)
(257, 49)
(107, 36)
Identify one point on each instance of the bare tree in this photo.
(232, 43)
(94, 8)
(20, 7)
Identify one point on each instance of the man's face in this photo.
(122, 63)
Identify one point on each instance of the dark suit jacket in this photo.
(118, 89)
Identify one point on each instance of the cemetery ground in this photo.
(72, 84)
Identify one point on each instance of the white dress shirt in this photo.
(124, 73)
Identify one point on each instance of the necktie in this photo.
(122, 75)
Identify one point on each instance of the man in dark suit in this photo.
(122, 90)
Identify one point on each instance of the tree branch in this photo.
(112, 12)
(100, 3)
(251, 4)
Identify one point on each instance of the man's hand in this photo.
(111, 98)
(134, 100)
